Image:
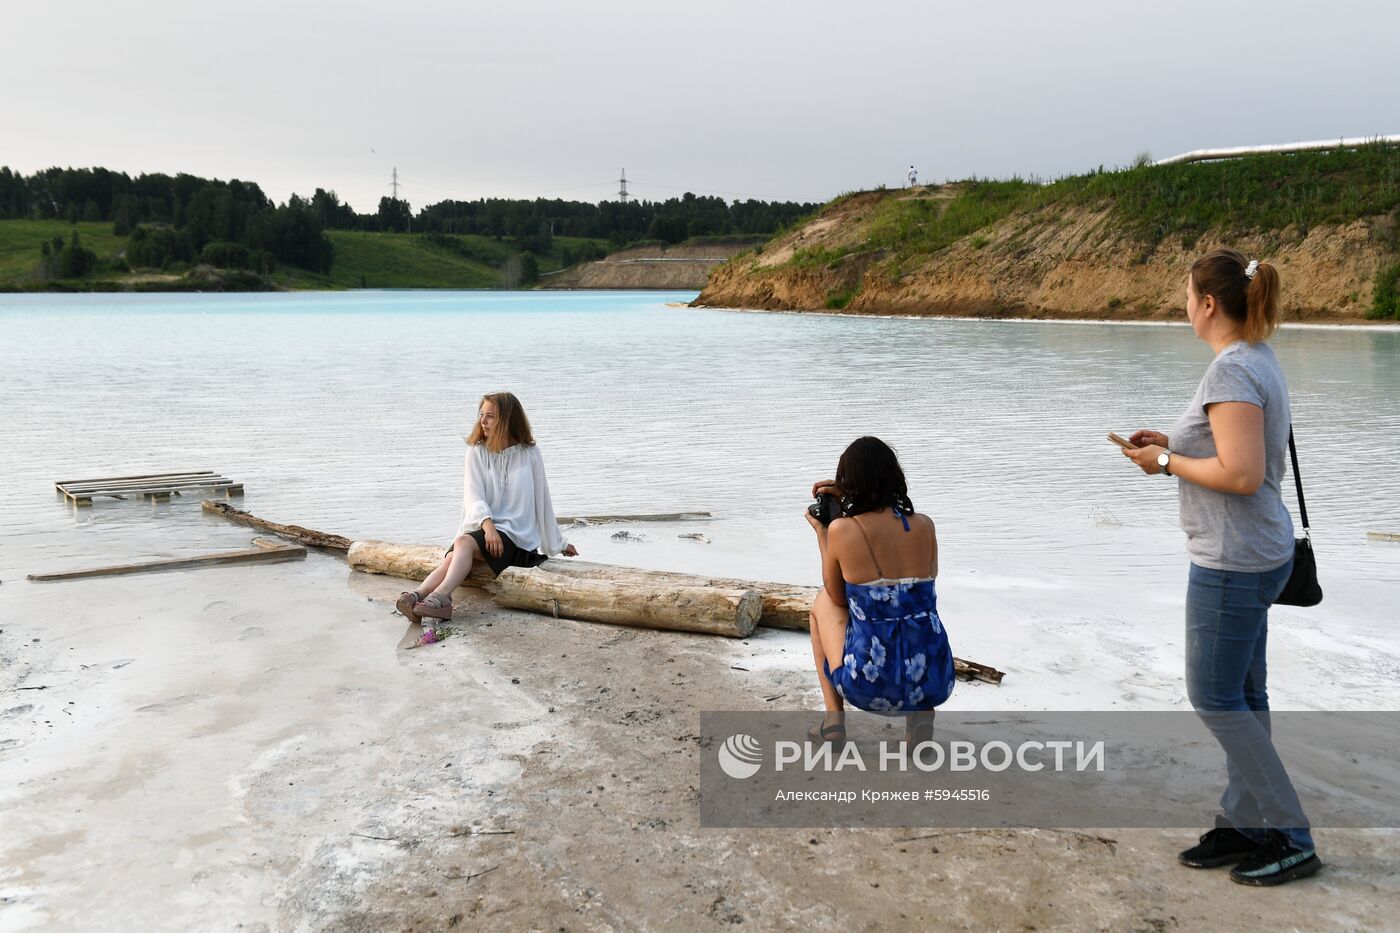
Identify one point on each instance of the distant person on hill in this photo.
(507, 514)
(1227, 453)
(876, 637)
(913, 177)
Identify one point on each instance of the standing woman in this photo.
(507, 514)
(1227, 452)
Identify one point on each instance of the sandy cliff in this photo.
(1076, 263)
(685, 266)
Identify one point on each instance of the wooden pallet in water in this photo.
(155, 486)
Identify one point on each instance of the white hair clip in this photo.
(1250, 269)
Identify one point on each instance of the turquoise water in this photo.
(345, 412)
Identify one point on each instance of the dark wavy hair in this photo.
(871, 478)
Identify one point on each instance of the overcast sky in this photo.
(801, 100)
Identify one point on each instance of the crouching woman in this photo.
(877, 639)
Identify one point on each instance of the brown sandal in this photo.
(434, 607)
(405, 603)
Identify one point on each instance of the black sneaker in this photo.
(1221, 846)
(1276, 862)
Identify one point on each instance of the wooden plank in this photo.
(140, 476)
(103, 479)
(146, 487)
(223, 558)
(614, 519)
(138, 484)
(1382, 536)
(142, 490)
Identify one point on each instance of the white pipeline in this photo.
(1202, 155)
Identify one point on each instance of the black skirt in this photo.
(511, 553)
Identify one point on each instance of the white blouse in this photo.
(510, 489)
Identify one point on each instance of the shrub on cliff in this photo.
(1385, 301)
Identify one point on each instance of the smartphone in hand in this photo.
(1121, 442)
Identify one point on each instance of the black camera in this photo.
(826, 509)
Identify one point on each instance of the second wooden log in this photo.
(578, 590)
(710, 610)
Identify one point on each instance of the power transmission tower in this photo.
(622, 194)
(395, 185)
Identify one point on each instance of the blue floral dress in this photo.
(897, 656)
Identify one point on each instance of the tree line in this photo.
(176, 218)
(671, 221)
(183, 218)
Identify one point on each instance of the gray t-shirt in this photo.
(1227, 531)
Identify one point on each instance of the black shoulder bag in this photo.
(1302, 588)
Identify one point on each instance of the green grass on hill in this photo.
(391, 260)
(1264, 192)
(373, 260)
(20, 241)
(399, 260)
(1151, 203)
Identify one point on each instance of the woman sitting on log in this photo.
(507, 514)
(876, 636)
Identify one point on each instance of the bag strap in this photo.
(1298, 481)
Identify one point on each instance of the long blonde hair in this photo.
(512, 427)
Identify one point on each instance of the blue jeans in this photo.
(1227, 630)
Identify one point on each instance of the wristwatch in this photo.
(1164, 458)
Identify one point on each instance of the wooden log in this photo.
(784, 605)
(971, 670)
(296, 533)
(709, 610)
(617, 595)
(251, 556)
(1382, 536)
(412, 561)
